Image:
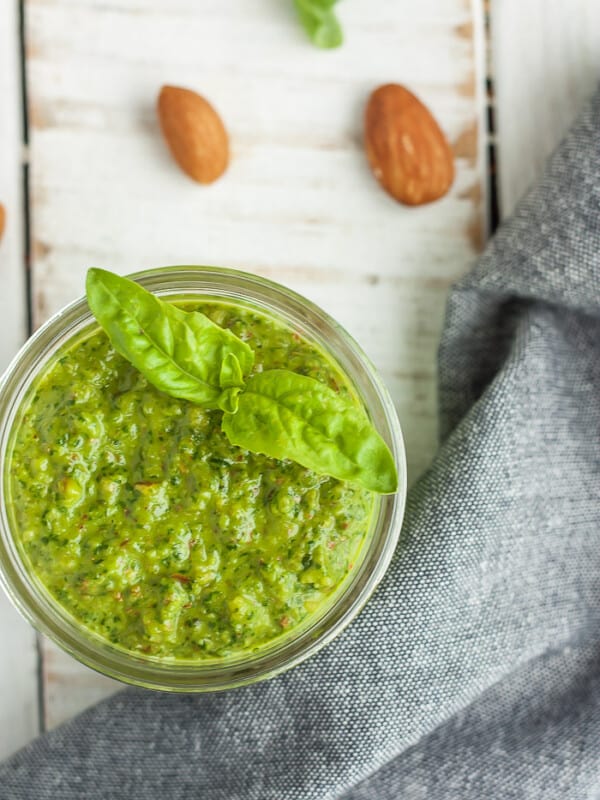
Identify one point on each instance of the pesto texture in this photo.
(149, 527)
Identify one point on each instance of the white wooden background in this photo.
(297, 204)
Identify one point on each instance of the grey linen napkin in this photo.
(474, 672)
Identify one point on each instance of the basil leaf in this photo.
(279, 413)
(320, 22)
(180, 352)
(227, 401)
(230, 373)
(285, 415)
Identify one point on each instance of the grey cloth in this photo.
(474, 672)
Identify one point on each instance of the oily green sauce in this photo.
(151, 530)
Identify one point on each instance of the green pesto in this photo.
(152, 530)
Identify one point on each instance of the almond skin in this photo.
(407, 151)
(194, 133)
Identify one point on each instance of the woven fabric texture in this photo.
(474, 672)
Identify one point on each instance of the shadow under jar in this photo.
(149, 548)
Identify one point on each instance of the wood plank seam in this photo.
(19, 708)
(493, 197)
(27, 210)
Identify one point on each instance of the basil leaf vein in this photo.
(290, 416)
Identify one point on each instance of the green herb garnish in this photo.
(180, 352)
(286, 415)
(276, 412)
(320, 22)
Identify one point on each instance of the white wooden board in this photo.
(298, 203)
(18, 656)
(546, 57)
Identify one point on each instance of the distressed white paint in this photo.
(18, 658)
(69, 686)
(546, 56)
(298, 203)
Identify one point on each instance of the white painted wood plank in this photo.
(546, 56)
(298, 203)
(18, 656)
(69, 687)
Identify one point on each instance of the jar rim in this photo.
(273, 299)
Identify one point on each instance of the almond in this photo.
(194, 133)
(407, 151)
(2, 220)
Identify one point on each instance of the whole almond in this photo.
(194, 133)
(407, 151)
(2, 220)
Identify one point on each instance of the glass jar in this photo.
(46, 614)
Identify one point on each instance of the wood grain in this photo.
(70, 687)
(298, 202)
(18, 656)
(546, 57)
